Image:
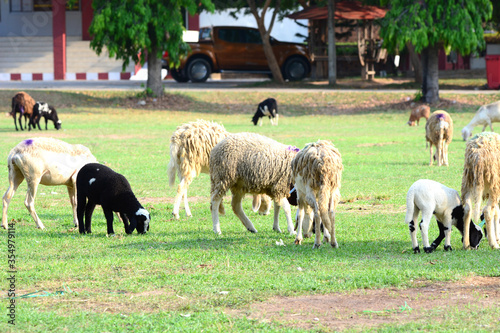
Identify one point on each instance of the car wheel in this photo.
(198, 70)
(178, 76)
(295, 69)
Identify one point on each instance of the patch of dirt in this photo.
(365, 309)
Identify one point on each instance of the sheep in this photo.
(317, 171)
(268, 107)
(44, 161)
(439, 132)
(250, 163)
(190, 148)
(22, 103)
(486, 115)
(433, 198)
(46, 111)
(98, 184)
(422, 111)
(481, 180)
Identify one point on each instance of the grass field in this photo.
(182, 277)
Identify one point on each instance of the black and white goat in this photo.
(41, 109)
(97, 184)
(433, 198)
(268, 107)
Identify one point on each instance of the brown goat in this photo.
(417, 113)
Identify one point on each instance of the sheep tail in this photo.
(173, 164)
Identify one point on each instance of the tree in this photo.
(431, 24)
(142, 30)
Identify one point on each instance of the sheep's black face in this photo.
(143, 219)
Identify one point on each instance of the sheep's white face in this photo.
(466, 134)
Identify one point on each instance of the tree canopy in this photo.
(132, 29)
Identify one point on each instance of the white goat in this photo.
(44, 161)
(486, 116)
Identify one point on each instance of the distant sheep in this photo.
(433, 198)
(48, 112)
(22, 103)
(481, 180)
(269, 108)
(98, 184)
(421, 111)
(317, 171)
(439, 132)
(44, 161)
(250, 163)
(486, 116)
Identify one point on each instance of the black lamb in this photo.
(41, 109)
(97, 184)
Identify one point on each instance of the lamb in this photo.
(317, 171)
(22, 103)
(250, 163)
(486, 115)
(439, 132)
(481, 180)
(433, 198)
(48, 112)
(44, 161)
(421, 111)
(268, 107)
(98, 184)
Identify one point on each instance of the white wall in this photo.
(283, 31)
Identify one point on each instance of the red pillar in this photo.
(59, 38)
(87, 16)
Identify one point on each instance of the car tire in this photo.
(178, 76)
(295, 69)
(198, 70)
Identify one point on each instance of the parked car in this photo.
(238, 49)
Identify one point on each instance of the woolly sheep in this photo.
(486, 115)
(439, 132)
(421, 111)
(98, 184)
(481, 180)
(317, 171)
(22, 103)
(250, 163)
(44, 161)
(433, 198)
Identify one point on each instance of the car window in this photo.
(230, 35)
(252, 36)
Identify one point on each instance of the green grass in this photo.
(171, 279)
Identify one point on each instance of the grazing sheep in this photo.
(250, 163)
(481, 180)
(44, 161)
(317, 171)
(486, 115)
(97, 184)
(268, 107)
(439, 132)
(421, 111)
(433, 198)
(22, 103)
(48, 112)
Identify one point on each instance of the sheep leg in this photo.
(215, 203)
(238, 210)
(29, 202)
(283, 202)
(72, 200)
(15, 179)
(108, 214)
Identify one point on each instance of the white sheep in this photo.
(44, 161)
(251, 163)
(433, 198)
(317, 171)
(486, 116)
(439, 132)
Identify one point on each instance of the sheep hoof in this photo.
(429, 249)
(416, 250)
(448, 248)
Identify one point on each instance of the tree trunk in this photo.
(415, 62)
(332, 53)
(154, 83)
(430, 74)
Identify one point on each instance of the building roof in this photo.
(344, 10)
